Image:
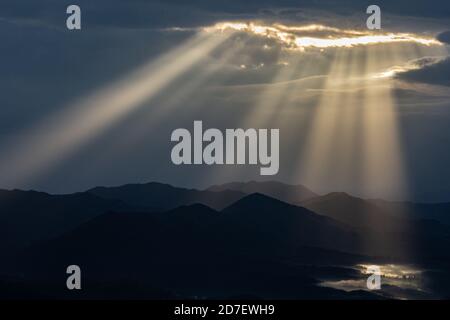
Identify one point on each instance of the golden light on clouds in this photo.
(292, 36)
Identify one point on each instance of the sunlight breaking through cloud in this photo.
(409, 66)
(300, 37)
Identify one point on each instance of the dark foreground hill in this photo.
(256, 247)
(27, 217)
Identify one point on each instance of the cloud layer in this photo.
(437, 73)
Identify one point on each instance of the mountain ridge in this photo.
(165, 196)
(282, 191)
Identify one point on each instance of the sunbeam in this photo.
(62, 134)
(171, 101)
(384, 171)
(319, 159)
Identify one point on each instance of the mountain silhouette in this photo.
(286, 222)
(285, 192)
(196, 249)
(353, 211)
(386, 229)
(435, 211)
(164, 196)
(172, 244)
(30, 216)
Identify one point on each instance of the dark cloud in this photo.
(437, 73)
(154, 13)
(444, 37)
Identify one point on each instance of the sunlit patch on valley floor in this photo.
(397, 281)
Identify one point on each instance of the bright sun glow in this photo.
(291, 37)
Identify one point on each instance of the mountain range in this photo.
(262, 239)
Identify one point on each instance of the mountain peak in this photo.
(340, 194)
(198, 207)
(257, 201)
(275, 189)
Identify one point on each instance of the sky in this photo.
(97, 106)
